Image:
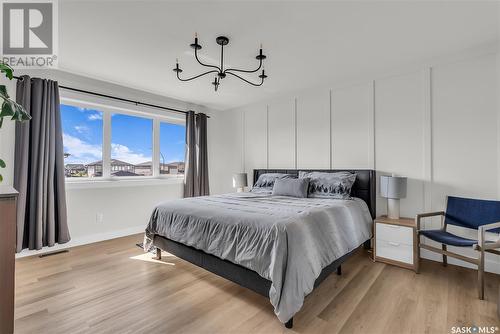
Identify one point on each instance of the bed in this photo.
(280, 247)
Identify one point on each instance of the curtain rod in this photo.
(118, 98)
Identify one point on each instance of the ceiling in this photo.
(135, 43)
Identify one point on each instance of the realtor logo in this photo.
(29, 33)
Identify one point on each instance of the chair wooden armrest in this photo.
(481, 236)
(427, 214)
(489, 226)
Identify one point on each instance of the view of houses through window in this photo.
(131, 144)
(172, 138)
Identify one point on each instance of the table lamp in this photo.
(393, 188)
(240, 181)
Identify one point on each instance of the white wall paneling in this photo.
(255, 138)
(282, 133)
(439, 126)
(399, 136)
(352, 144)
(427, 139)
(372, 152)
(464, 121)
(313, 129)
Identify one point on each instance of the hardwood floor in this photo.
(113, 287)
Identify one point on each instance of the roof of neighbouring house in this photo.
(123, 173)
(74, 166)
(115, 162)
(175, 164)
(144, 164)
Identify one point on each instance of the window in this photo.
(131, 146)
(82, 140)
(113, 141)
(172, 148)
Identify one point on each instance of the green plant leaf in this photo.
(4, 68)
(24, 114)
(7, 109)
(1, 122)
(24, 117)
(3, 92)
(1, 178)
(16, 116)
(21, 115)
(2, 163)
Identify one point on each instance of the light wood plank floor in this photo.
(113, 287)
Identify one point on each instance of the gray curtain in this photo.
(39, 167)
(196, 165)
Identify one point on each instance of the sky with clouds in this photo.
(131, 137)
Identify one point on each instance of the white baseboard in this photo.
(84, 240)
(489, 265)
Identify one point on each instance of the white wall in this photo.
(437, 124)
(225, 146)
(125, 207)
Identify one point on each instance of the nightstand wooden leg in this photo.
(445, 258)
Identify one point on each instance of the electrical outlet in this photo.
(99, 218)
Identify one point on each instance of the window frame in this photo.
(109, 107)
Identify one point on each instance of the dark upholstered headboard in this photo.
(364, 186)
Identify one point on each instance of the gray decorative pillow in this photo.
(329, 185)
(266, 181)
(291, 187)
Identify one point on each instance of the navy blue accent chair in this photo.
(477, 214)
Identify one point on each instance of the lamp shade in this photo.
(240, 180)
(393, 186)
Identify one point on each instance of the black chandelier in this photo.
(221, 72)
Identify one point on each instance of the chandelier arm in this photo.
(196, 76)
(244, 71)
(249, 82)
(203, 64)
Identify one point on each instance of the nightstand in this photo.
(396, 242)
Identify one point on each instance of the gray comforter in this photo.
(284, 239)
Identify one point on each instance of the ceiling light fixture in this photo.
(221, 71)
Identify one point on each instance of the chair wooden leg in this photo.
(498, 304)
(417, 260)
(480, 275)
(445, 258)
(158, 253)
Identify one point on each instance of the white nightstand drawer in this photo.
(394, 233)
(394, 251)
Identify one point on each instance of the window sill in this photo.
(118, 182)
